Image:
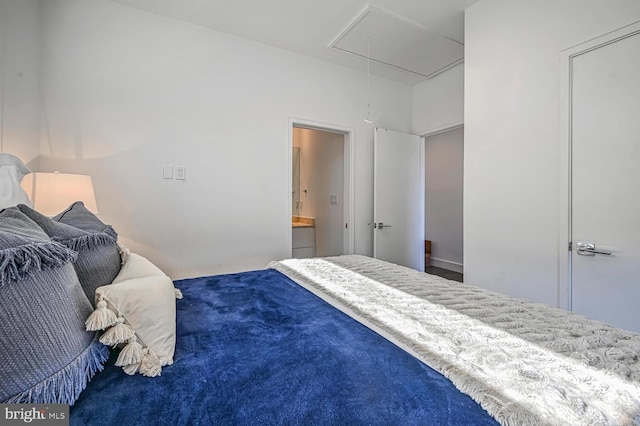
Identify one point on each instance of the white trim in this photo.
(447, 264)
(563, 296)
(377, 10)
(375, 193)
(349, 181)
(564, 228)
(423, 190)
(441, 129)
(288, 232)
(371, 8)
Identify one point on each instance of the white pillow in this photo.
(138, 308)
(137, 266)
(12, 170)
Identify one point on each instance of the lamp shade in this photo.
(51, 193)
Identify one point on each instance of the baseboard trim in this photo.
(447, 264)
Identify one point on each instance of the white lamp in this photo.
(51, 193)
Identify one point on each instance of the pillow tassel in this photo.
(124, 253)
(101, 318)
(150, 365)
(131, 369)
(132, 353)
(178, 293)
(119, 333)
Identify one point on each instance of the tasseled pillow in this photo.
(138, 311)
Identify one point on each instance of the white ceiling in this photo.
(409, 39)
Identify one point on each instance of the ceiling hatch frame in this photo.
(355, 32)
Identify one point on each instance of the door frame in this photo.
(348, 246)
(566, 120)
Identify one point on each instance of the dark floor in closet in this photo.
(444, 273)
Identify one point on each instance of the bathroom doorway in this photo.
(321, 190)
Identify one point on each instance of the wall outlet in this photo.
(181, 172)
(333, 199)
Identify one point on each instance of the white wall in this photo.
(438, 103)
(19, 80)
(321, 173)
(512, 135)
(444, 155)
(126, 92)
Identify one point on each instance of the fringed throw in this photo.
(87, 242)
(56, 389)
(17, 263)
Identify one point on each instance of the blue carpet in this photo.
(256, 348)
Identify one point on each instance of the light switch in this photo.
(333, 199)
(181, 172)
(167, 172)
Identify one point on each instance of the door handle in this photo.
(381, 225)
(589, 249)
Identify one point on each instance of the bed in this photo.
(340, 340)
(277, 347)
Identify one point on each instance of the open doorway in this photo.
(444, 158)
(321, 189)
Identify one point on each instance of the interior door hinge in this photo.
(570, 245)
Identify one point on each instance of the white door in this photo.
(398, 201)
(605, 183)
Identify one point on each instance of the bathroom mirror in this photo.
(295, 181)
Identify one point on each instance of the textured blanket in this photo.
(525, 363)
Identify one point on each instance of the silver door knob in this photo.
(589, 249)
(382, 225)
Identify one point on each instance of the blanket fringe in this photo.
(65, 386)
(17, 263)
(87, 242)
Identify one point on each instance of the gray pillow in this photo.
(46, 354)
(80, 230)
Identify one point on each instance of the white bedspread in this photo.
(523, 362)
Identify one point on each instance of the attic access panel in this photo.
(399, 43)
